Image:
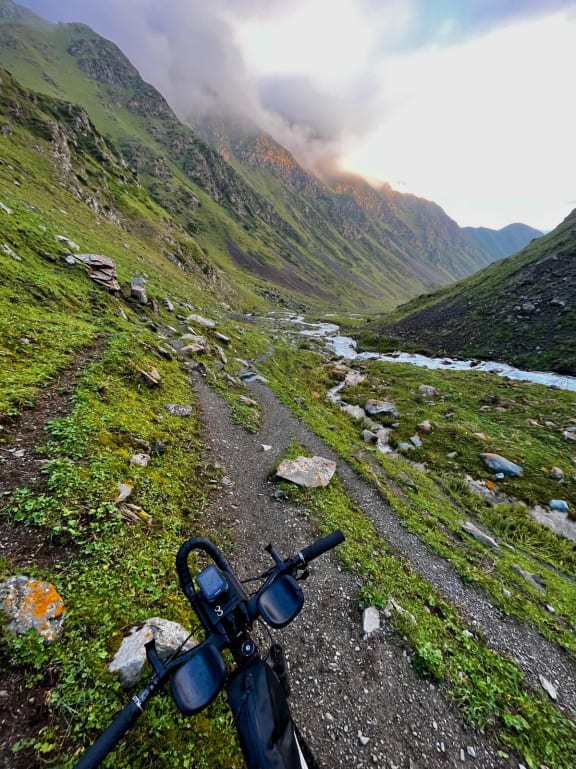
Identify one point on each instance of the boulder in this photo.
(374, 407)
(100, 269)
(427, 391)
(306, 471)
(501, 465)
(138, 290)
(130, 659)
(559, 504)
(30, 604)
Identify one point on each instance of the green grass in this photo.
(433, 503)
(490, 690)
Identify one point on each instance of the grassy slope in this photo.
(300, 236)
(117, 572)
(483, 315)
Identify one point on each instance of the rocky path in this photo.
(358, 701)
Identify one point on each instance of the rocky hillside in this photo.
(252, 209)
(398, 231)
(521, 310)
(504, 242)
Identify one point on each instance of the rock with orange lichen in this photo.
(30, 604)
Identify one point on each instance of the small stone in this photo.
(124, 491)
(479, 535)
(506, 593)
(374, 407)
(265, 447)
(363, 740)
(369, 437)
(168, 304)
(5, 208)
(329, 717)
(452, 455)
(427, 391)
(12, 254)
(425, 427)
(198, 319)
(415, 440)
(152, 377)
(178, 410)
(370, 620)
(462, 755)
(471, 752)
(467, 634)
(550, 608)
(67, 242)
(535, 580)
(548, 687)
(140, 460)
(557, 473)
(138, 290)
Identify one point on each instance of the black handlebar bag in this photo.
(262, 717)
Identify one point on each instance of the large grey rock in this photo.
(479, 535)
(501, 465)
(427, 391)
(356, 412)
(138, 290)
(374, 407)
(30, 604)
(306, 471)
(130, 659)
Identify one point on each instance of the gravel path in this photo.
(358, 701)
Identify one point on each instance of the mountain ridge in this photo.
(521, 309)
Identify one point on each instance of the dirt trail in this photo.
(343, 686)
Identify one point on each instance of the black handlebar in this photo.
(97, 752)
(322, 546)
(244, 610)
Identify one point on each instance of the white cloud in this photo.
(486, 128)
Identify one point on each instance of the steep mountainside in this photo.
(404, 230)
(504, 242)
(521, 310)
(261, 217)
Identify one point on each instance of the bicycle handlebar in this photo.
(322, 546)
(97, 752)
(248, 611)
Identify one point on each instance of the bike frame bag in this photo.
(262, 718)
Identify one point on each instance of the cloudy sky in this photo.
(466, 102)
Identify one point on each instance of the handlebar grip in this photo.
(322, 545)
(108, 740)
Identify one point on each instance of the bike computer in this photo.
(211, 582)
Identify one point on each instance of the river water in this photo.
(345, 347)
